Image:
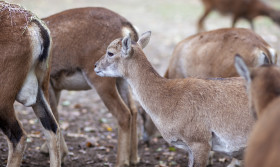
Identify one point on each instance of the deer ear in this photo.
(144, 39)
(126, 46)
(241, 68)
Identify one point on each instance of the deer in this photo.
(80, 37)
(211, 54)
(24, 77)
(263, 91)
(247, 9)
(197, 115)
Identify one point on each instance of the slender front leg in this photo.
(200, 153)
(200, 26)
(125, 92)
(51, 128)
(234, 21)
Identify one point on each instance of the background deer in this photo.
(211, 54)
(193, 114)
(247, 9)
(264, 142)
(24, 76)
(80, 37)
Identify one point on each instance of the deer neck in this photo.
(146, 83)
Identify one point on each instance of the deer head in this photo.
(114, 62)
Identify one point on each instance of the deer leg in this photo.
(200, 152)
(15, 135)
(125, 92)
(252, 25)
(234, 21)
(51, 127)
(200, 26)
(106, 88)
(54, 96)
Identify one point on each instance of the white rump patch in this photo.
(125, 31)
(28, 93)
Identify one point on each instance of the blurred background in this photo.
(89, 128)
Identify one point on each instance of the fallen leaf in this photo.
(64, 125)
(172, 149)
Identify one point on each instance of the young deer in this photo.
(211, 54)
(24, 76)
(264, 142)
(193, 114)
(80, 37)
(247, 9)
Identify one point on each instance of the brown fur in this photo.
(264, 142)
(211, 54)
(80, 37)
(19, 29)
(189, 113)
(247, 9)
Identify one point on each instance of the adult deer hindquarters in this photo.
(263, 84)
(24, 76)
(80, 37)
(193, 114)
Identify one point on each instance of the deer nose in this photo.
(95, 65)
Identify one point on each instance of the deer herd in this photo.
(200, 105)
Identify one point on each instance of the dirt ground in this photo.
(89, 129)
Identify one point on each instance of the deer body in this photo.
(193, 114)
(80, 37)
(211, 54)
(247, 9)
(24, 76)
(263, 85)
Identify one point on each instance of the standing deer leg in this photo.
(125, 92)
(200, 26)
(51, 127)
(252, 25)
(234, 21)
(201, 153)
(54, 96)
(16, 136)
(106, 88)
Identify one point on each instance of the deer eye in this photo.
(110, 54)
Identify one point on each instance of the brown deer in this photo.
(193, 114)
(25, 44)
(263, 85)
(247, 9)
(80, 37)
(211, 54)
